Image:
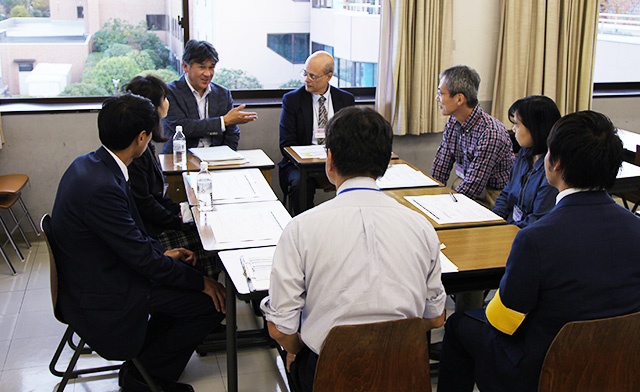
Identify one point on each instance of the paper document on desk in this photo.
(244, 225)
(218, 155)
(444, 210)
(309, 152)
(257, 268)
(404, 176)
(628, 170)
(447, 265)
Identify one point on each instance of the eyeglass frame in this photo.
(304, 74)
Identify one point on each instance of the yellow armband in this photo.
(502, 318)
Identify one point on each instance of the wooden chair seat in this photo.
(386, 356)
(13, 183)
(595, 355)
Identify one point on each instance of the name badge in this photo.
(459, 171)
(517, 214)
(319, 135)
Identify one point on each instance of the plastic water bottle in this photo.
(179, 148)
(204, 188)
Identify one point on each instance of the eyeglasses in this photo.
(440, 94)
(311, 76)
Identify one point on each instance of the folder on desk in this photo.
(445, 209)
(404, 176)
(218, 155)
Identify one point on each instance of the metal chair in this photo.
(594, 355)
(11, 186)
(386, 356)
(67, 338)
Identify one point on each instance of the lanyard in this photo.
(358, 189)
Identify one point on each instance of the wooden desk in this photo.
(481, 255)
(630, 142)
(399, 194)
(257, 159)
(308, 167)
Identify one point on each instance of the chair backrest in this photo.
(386, 356)
(594, 355)
(45, 227)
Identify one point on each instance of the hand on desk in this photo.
(237, 116)
(216, 291)
(182, 254)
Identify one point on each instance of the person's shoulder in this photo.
(293, 94)
(339, 91)
(176, 84)
(218, 88)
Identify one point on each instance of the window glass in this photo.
(618, 45)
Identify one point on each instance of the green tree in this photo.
(41, 5)
(236, 79)
(116, 50)
(83, 90)
(19, 11)
(118, 31)
(112, 72)
(292, 83)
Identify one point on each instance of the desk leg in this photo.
(232, 347)
(468, 300)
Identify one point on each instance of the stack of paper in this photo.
(258, 271)
(219, 155)
(404, 176)
(445, 209)
(309, 152)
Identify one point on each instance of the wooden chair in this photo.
(11, 186)
(386, 356)
(595, 355)
(67, 338)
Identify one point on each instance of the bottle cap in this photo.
(178, 128)
(204, 165)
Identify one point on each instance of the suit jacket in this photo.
(106, 262)
(157, 210)
(183, 110)
(579, 262)
(296, 120)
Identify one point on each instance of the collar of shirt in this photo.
(123, 167)
(472, 120)
(200, 100)
(316, 97)
(570, 191)
(358, 182)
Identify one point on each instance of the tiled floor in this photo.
(29, 335)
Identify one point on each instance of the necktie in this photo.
(322, 113)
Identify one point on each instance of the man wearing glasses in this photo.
(476, 142)
(305, 112)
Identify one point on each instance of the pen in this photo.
(453, 197)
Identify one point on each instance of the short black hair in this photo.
(156, 90)
(360, 140)
(589, 150)
(461, 79)
(199, 52)
(123, 117)
(538, 113)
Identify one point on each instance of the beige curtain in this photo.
(1, 134)
(415, 46)
(546, 47)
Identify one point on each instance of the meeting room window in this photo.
(293, 47)
(316, 46)
(356, 74)
(618, 43)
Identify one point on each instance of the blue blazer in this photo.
(106, 262)
(579, 262)
(296, 120)
(183, 110)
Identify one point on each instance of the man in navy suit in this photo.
(579, 262)
(305, 111)
(203, 108)
(119, 289)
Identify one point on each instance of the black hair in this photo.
(360, 140)
(464, 80)
(154, 89)
(589, 150)
(123, 117)
(199, 52)
(538, 113)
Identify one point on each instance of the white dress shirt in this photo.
(359, 258)
(203, 111)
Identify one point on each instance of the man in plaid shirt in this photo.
(476, 142)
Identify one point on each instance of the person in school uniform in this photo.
(578, 262)
(475, 142)
(359, 258)
(528, 196)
